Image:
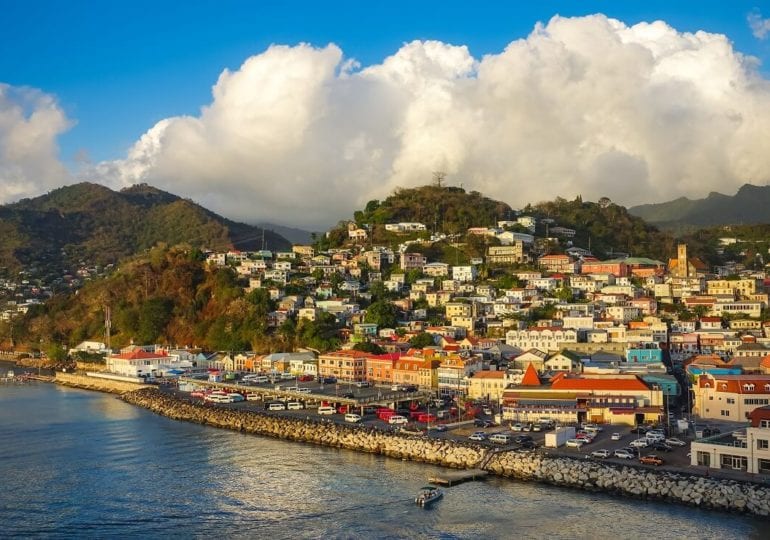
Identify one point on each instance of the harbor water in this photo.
(78, 464)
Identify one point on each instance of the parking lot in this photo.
(676, 457)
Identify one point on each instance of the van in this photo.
(500, 438)
(276, 406)
(251, 396)
(260, 379)
(325, 409)
(286, 376)
(353, 418)
(295, 405)
(397, 419)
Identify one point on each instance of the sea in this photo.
(79, 464)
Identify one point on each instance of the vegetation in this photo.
(91, 223)
(606, 227)
(751, 204)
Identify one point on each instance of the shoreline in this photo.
(587, 475)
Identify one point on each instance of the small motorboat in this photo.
(428, 495)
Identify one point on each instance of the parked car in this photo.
(305, 378)
(363, 384)
(478, 436)
(673, 441)
(623, 454)
(575, 443)
(521, 438)
(500, 438)
(352, 418)
(478, 422)
(349, 395)
(631, 450)
(661, 447)
(615, 436)
(517, 427)
(537, 427)
(397, 419)
(529, 444)
(326, 409)
(295, 405)
(276, 406)
(439, 427)
(639, 443)
(652, 459)
(601, 453)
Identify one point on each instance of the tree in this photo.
(382, 313)
(368, 346)
(422, 340)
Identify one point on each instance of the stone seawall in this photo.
(100, 385)
(576, 473)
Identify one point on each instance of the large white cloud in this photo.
(300, 135)
(30, 122)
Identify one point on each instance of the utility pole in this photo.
(107, 327)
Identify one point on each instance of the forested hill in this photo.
(167, 295)
(91, 223)
(606, 227)
(751, 204)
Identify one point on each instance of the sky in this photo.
(298, 113)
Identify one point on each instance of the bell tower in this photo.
(682, 264)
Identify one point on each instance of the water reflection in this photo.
(87, 465)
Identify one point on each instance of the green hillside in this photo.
(91, 223)
(751, 204)
(606, 227)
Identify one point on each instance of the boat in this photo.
(428, 495)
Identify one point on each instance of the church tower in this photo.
(682, 264)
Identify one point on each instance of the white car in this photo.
(397, 419)
(478, 436)
(295, 405)
(639, 443)
(600, 454)
(675, 442)
(575, 443)
(517, 427)
(624, 454)
(615, 436)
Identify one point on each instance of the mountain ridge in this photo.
(90, 222)
(749, 205)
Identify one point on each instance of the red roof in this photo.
(489, 375)
(530, 377)
(603, 383)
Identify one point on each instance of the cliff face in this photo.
(577, 473)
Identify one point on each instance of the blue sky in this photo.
(220, 102)
(119, 67)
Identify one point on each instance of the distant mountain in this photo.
(295, 236)
(750, 205)
(91, 223)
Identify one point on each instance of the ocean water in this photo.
(77, 464)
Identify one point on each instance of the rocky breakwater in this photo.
(351, 437)
(639, 482)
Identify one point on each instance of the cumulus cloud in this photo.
(30, 122)
(301, 135)
(759, 27)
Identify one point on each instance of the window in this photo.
(730, 401)
(724, 413)
(762, 444)
(764, 423)
(764, 466)
(738, 463)
(704, 459)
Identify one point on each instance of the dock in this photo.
(451, 478)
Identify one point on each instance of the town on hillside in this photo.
(533, 333)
